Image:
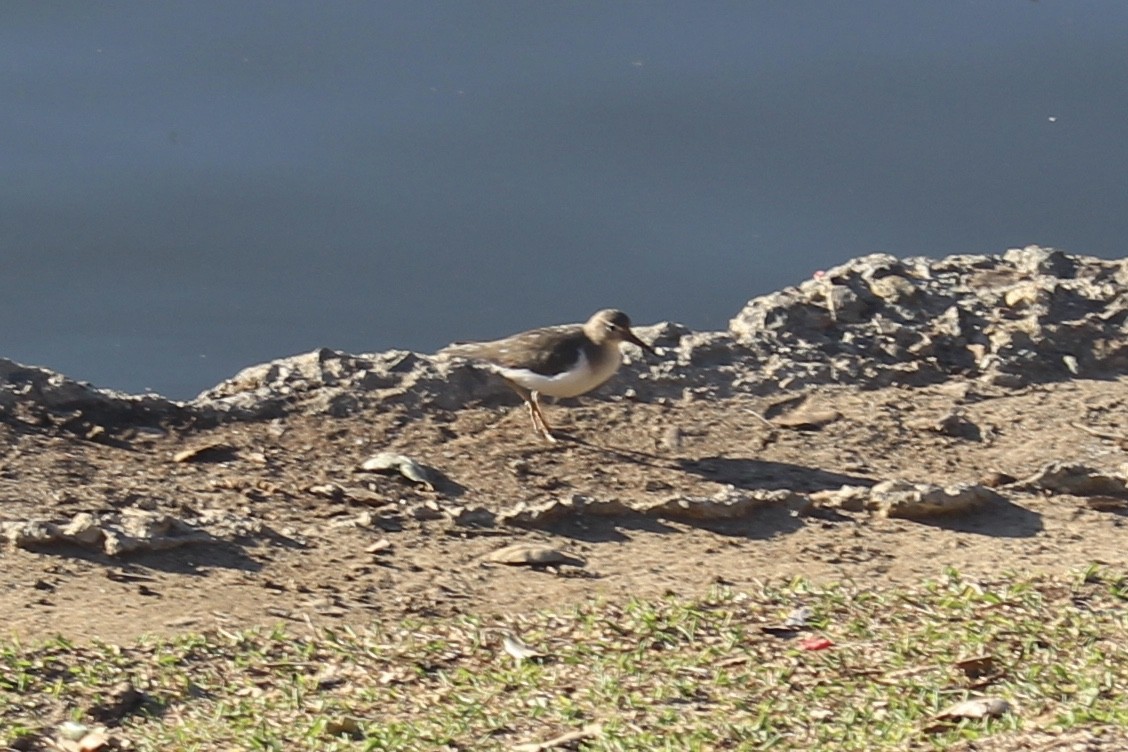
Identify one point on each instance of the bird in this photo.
(559, 361)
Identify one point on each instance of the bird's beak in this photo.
(629, 336)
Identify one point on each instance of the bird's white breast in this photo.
(581, 377)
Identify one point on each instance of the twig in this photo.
(1117, 437)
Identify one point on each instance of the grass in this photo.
(667, 674)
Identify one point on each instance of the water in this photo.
(192, 188)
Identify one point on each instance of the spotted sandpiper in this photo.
(560, 361)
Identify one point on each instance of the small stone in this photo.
(1076, 479)
(1117, 504)
(428, 510)
(954, 424)
(807, 418)
(532, 555)
(847, 498)
(382, 546)
(1022, 296)
(84, 530)
(390, 462)
(366, 497)
(893, 288)
(672, 438)
(996, 479)
(215, 451)
(471, 516)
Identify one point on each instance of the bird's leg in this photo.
(540, 428)
(533, 417)
(545, 430)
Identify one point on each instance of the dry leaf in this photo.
(344, 726)
(973, 709)
(563, 740)
(977, 667)
(979, 707)
(517, 648)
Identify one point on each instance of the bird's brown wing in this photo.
(547, 351)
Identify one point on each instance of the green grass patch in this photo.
(661, 674)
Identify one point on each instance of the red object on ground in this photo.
(815, 643)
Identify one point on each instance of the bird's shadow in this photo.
(749, 474)
(742, 472)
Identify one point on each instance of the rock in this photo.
(898, 498)
(532, 555)
(31, 533)
(672, 439)
(727, 504)
(807, 418)
(146, 531)
(83, 529)
(956, 425)
(363, 520)
(1077, 480)
(539, 514)
(471, 516)
(212, 451)
(390, 462)
(996, 479)
(382, 546)
(933, 314)
(893, 289)
(1034, 260)
(953, 423)
(334, 491)
(1118, 504)
(1024, 295)
(134, 530)
(844, 304)
(364, 496)
(847, 498)
(428, 510)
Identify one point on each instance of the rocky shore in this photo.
(1026, 316)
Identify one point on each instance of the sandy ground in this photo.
(367, 555)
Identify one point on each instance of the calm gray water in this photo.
(193, 187)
